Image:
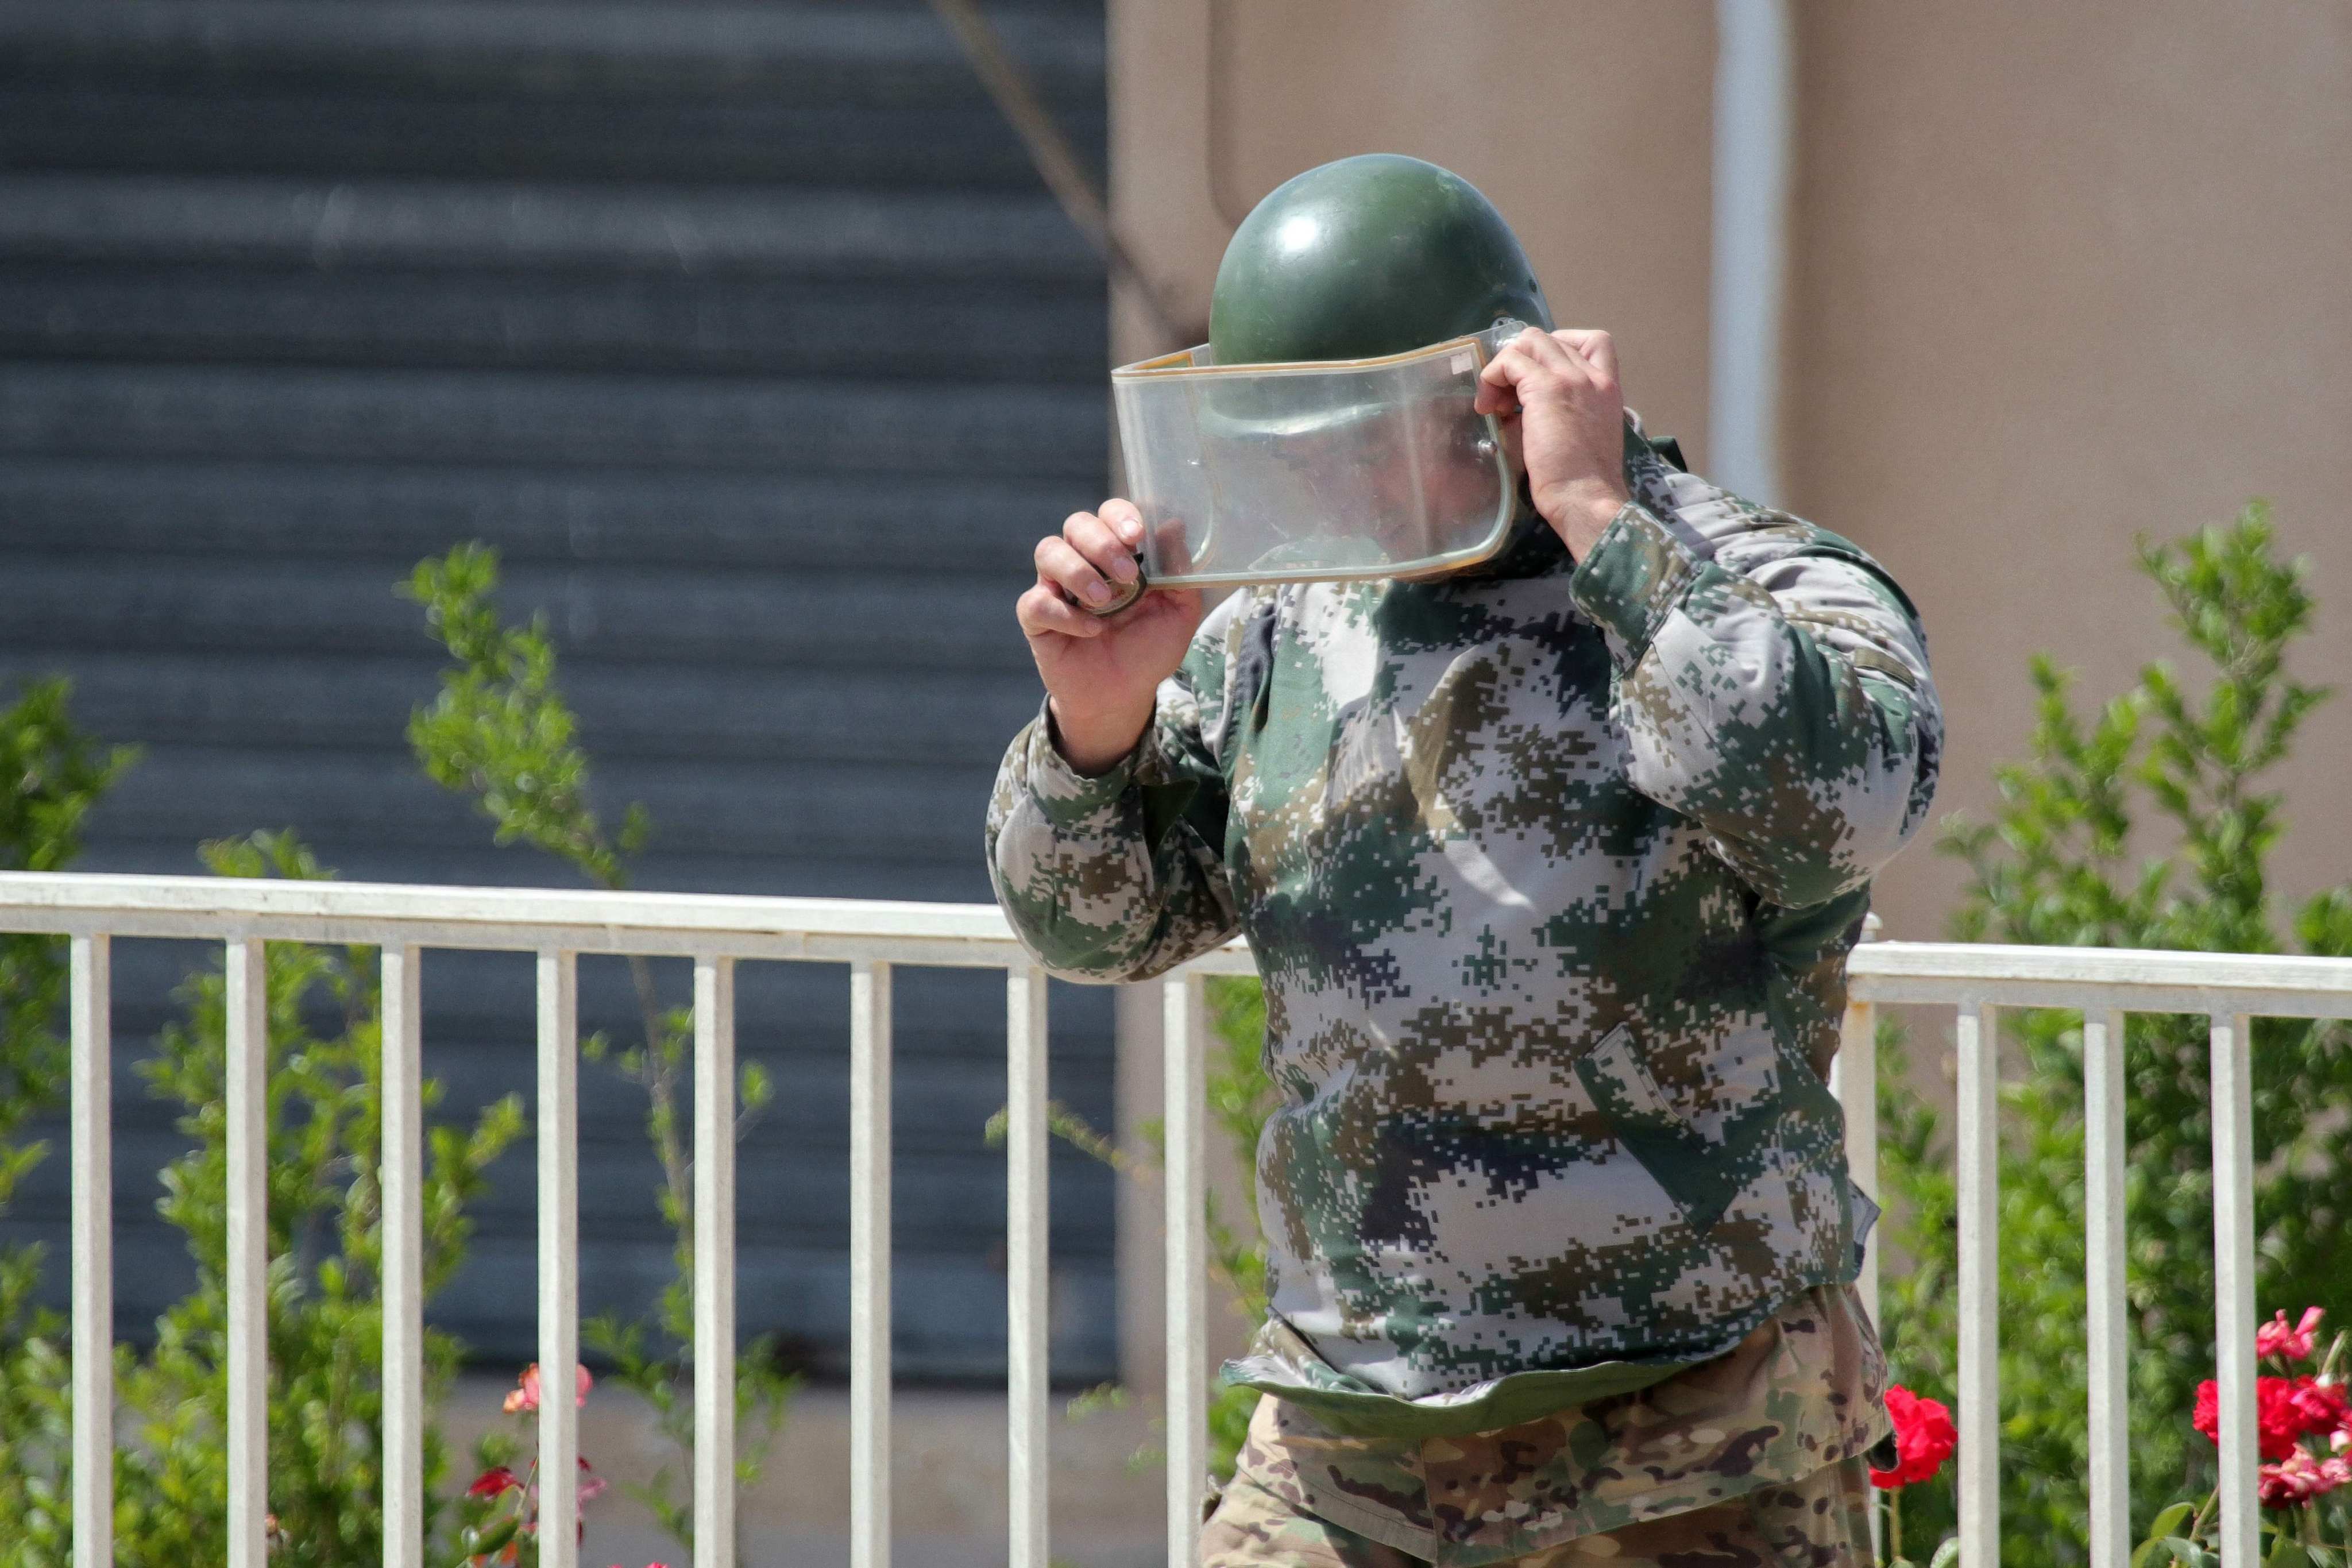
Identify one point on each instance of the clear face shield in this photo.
(1314, 470)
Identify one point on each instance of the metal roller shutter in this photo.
(749, 338)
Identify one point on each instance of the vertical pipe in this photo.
(2233, 1282)
(247, 1274)
(1026, 1301)
(1979, 1178)
(558, 1259)
(90, 1005)
(1755, 95)
(402, 1199)
(714, 1261)
(2104, 1156)
(869, 1265)
(1186, 1111)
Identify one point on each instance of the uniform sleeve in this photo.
(1776, 693)
(1121, 876)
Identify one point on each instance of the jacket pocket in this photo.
(1700, 1173)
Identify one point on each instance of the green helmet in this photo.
(1367, 256)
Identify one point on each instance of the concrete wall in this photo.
(2065, 274)
(2060, 275)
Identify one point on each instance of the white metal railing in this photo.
(872, 939)
(2105, 985)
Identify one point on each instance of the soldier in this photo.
(1551, 868)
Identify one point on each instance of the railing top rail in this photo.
(970, 935)
(520, 918)
(2134, 979)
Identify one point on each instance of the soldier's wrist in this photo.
(1582, 515)
(1095, 741)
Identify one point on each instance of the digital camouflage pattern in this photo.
(1754, 1457)
(1550, 871)
(1817, 1522)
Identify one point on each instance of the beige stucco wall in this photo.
(2063, 273)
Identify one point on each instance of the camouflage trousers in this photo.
(1819, 1522)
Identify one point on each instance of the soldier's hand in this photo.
(1557, 393)
(1102, 673)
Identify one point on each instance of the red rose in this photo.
(1924, 1438)
(2300, 1478)
(2322, 1405)
(2285, 1410)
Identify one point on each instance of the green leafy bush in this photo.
(2142, 824)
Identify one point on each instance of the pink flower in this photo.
(1924, 1438)
(526, 1390)
(2276, 1338)
(591, 1485)
(2301, 1476)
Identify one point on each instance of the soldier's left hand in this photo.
(1556, 393)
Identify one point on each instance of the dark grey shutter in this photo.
(749, 337)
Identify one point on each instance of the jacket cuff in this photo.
(1631, 579)
(1064, 795)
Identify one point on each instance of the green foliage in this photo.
(53, 774)
(2142, 825)
(503, 732)
(500, 730)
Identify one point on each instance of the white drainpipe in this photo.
(1755, 114)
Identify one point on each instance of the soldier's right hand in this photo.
(1102, 672)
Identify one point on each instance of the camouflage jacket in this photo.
(1550, 871)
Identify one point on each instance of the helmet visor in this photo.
(1314, 469)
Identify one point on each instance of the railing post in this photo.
(1185, 1108)
(714, 1261)
(90, 1005)
(2104, 1158)
(1028, 1274)
(247, 1274)
(869, 1265)
(1979, 1139)
(558, 1259)
(1854, 1079)
(2233, 1283)
(402, 1197)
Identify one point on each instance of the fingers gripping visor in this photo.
(1322, 470)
